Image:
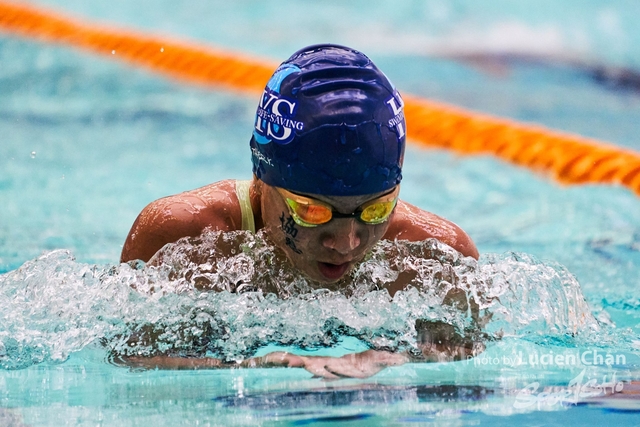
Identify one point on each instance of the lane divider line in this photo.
(570, 159)
(184, 61)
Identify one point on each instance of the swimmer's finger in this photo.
(365, 364)
(348, 372)
(348, 366)
(319, 369)
(313, 364)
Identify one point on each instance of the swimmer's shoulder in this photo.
(214, 206)
(217, 205)
(414, 224)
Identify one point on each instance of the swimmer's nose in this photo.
(343, 239)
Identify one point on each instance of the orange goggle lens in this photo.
(308, 214)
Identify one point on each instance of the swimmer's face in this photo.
(326, 252)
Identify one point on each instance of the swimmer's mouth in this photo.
(333, 271)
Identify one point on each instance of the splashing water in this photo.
(227, 295)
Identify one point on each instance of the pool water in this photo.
(87, 142)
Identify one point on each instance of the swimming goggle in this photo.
(308, 212)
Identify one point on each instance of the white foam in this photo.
(231, 305)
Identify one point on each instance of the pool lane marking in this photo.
(184, 61)
(570, 159)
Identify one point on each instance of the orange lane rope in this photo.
(570, 159)
(199, 64)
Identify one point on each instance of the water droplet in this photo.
(161, 49)
(33, 154)
(113, 52)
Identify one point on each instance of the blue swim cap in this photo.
(329, 122)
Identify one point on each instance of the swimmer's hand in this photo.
(356, 365)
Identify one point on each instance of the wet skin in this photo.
(325, 254)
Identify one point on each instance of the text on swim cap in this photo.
(261, 157)
(274, 118)
(397, 106)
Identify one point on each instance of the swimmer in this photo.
(327, 151)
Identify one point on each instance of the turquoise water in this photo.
(87, 142)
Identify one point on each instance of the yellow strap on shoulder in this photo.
(242, 192)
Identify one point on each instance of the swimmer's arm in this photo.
(414, 224)
(171, 362)
(356, 365)
(437, 345)
(436, 342)
(187, 214)
(439, 342)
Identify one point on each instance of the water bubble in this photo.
(33, 154)
(228, 295)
